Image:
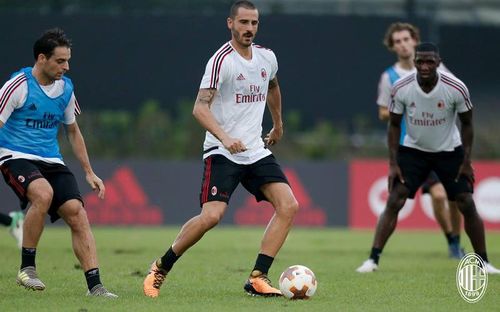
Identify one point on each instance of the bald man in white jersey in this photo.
(239, 80)
(402, 38)
(429, 101)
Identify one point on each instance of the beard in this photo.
(241, 39)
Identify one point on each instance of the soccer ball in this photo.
(298, 282)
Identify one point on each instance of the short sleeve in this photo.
(216, 72)
(462, 102)
(274, 65)
(384, 90)
(397, 105)
(12, 96)
(71, 110)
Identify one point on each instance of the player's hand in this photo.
(234, 146)
(96, 184)
(394, 173)
(274, 136)
(467, 171)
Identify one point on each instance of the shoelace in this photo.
(265, 279)
(159, 278)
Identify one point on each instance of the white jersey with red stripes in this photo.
(431, 117)
(13, 96)
(240, 100)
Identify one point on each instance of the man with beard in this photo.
(239, 80)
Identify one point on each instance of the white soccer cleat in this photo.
(490, 269)
(16, 227)
(367, 267)
(28, 278)
(99, 291)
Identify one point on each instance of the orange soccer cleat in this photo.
(258, 284)
(154, 280)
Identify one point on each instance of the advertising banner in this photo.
(161, 192)
(368, 195)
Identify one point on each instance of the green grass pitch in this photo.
(415, 273)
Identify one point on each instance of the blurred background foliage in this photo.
(153, 132)
(166, 129)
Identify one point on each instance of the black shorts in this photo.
(416, 166)
(221, 177)
(19, 173)
(429, 182)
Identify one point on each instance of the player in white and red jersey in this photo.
(239, 80)
(430, 101)
(402, 38)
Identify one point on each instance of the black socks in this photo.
(93, 278)
(28, 257)
(263, 263)
(375, 254)
(168, 260)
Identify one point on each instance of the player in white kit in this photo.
(239, 80)
(402, 38)
(429, 101)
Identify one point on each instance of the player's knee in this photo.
(465, 203)
(42, 199)
(292, 208)
(77, 218)
(288, 209)
(397, 199)
(439, 195)
(211, 218)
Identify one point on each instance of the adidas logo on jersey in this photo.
(240, 77)
(32, 107)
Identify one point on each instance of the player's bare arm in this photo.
(80, 150)
(204, 116)
(467, 135)
(393, 136)
(383, 113)
(274, 105)
(1, 124)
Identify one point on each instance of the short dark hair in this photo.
(427, 47)
(399, 26)
(241, 4)
(50, 40)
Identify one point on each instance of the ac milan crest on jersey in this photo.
(240, 77)
(411, 108)
(440, 105)
(263, 74)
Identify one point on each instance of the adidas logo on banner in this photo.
(125, 202)
(240, 77)
(309, 214)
